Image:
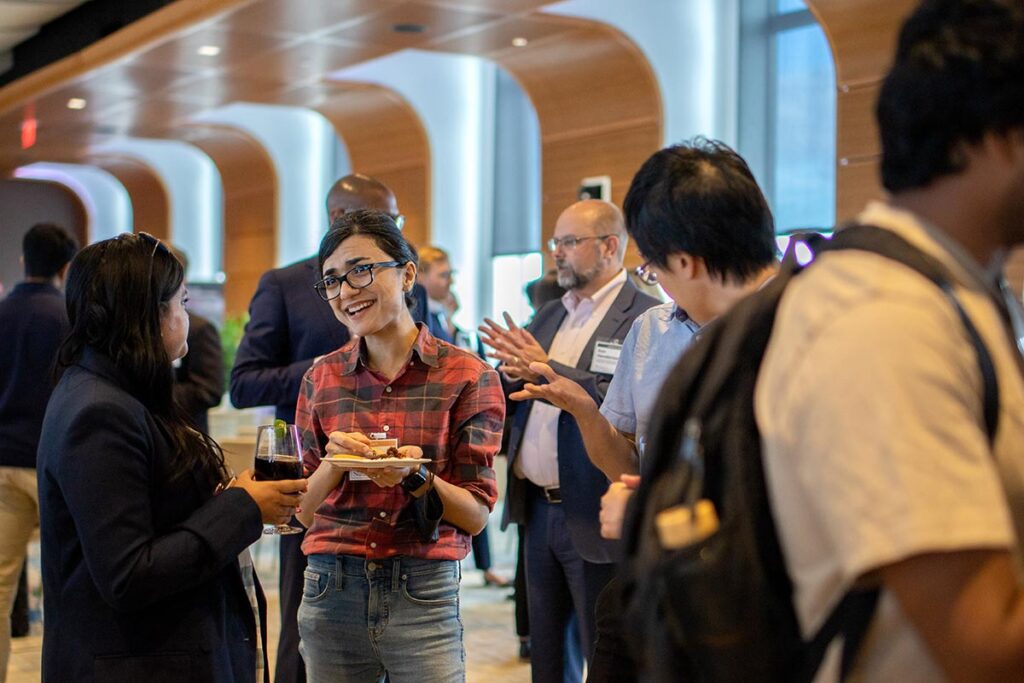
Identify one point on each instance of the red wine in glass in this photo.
(278, 457)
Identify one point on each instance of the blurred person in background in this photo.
(34, 321)
(199, 376)
(436, 276)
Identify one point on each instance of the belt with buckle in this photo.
(552, 494)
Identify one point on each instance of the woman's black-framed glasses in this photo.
(645, 274)
(359, 277)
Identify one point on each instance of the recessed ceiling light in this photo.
(520, 42)
(76, 103)
(408, 28)
(209, 50)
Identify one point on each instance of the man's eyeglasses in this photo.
(359, 277)
(570, 241)
(646, 275)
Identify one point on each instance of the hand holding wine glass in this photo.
(279, 459)
(277, 500)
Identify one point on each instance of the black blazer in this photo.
(140, 573)
(289, 325)
(199, 380)
(582, 484)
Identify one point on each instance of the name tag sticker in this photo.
(606, 357)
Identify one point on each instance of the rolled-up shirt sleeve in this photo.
(477, 418)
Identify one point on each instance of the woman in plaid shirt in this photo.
(382, 584)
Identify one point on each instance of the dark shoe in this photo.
(524, 650)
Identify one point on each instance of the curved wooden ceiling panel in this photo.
(597, 99)
(387, 141)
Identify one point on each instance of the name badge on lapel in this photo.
(606, 357)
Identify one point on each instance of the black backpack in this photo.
(720, 609)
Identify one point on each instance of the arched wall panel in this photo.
(150, 206)
(27, 202)
(862, 34)
(599, 110)
(250, 208)
(386, 140)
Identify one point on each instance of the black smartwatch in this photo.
(415, 480)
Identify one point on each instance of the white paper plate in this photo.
(350, 463)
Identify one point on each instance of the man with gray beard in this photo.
(579, 337)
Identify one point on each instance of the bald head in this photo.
(357, 191)
(588, 245)
(602, 218)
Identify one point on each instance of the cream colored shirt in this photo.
(538, 454)
(869, 403)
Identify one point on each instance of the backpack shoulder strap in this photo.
(890, 245)
(852, 616)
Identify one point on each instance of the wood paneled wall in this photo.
(148, 194)
(250, 208)
(862, 34)
(27, 202)
(599, 109)
(386, 140)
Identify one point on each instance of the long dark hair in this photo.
(116, 292)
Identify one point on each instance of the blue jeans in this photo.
(360, 619)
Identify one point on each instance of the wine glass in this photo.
(278, 457)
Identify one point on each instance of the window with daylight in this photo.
(788, 111)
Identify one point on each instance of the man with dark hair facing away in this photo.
(879, 466)
(34, 321)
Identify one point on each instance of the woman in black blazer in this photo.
(140, 552)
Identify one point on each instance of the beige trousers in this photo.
(19, 516)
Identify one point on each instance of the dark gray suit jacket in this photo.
(582, 483)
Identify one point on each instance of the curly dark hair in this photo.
(957, 75)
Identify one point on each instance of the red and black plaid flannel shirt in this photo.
(447, 401)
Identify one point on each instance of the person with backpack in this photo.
(707, 235)
(887, 462)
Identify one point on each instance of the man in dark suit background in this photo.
(553, 488)
(289, 327)
(199, 376)
(35, 321)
